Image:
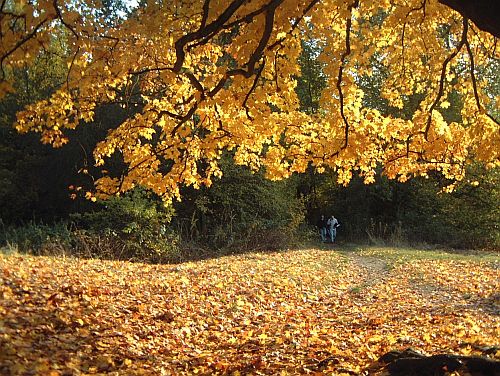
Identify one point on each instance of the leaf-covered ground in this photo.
(296, 312)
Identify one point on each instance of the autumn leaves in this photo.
(294, 312)
(202, 78)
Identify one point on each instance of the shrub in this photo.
(38, 238)
(242, 211)
(133, 227)
(380, 233)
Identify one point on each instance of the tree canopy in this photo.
(201, 78)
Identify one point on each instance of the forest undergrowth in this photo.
(314, 311)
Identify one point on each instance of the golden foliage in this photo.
(200, 77)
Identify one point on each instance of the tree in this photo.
(31, 173)
(241, 210)
(203, 83)
(34, 177)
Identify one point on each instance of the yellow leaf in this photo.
(127, 362)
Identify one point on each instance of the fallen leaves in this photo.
(295, 312)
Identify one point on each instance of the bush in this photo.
(38, 238)
(381, 234)
(132, 227)
(243, 211)
(415, 212)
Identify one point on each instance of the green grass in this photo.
(409, 254)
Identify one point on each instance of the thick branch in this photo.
(484, 13)
(246, 19)
(343, 58)
(295, 23)
(256, 55)
(474, 81)
(203, 32)
(268, 29)
(206, 9)
(442, 79)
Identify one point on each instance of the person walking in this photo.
(322, 224)
(332, 225)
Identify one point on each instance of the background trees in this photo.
(415, 212)
(175, 96)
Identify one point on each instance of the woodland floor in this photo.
(316, 311)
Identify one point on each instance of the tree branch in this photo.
(19, 43)
(60, 17)
(442, 79)
(254, 85)
(484, 13)
(203, 32)
(206, 9)
(474, 81)
(343, 58)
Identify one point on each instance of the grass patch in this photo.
(403, 255)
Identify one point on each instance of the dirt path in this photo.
(375, 272)
(371, 270)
